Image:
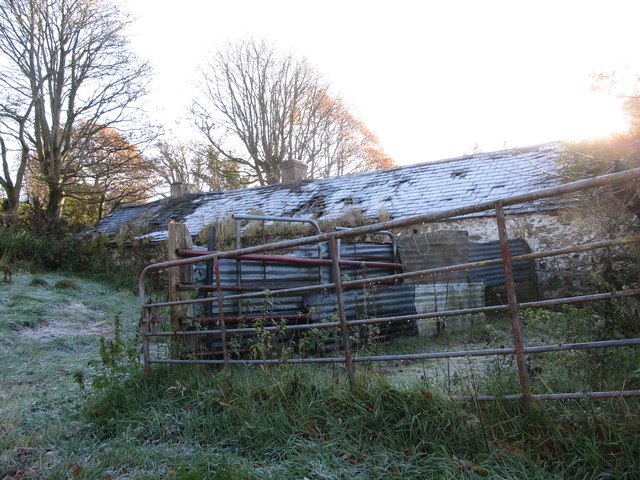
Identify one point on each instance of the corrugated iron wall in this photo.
(524, 273)
(380, 301)
(432, 250)
(262, 276)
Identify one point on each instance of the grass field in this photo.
(72, 406)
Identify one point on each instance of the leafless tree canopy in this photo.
(258, 109)
(197, 164)
(66, 75)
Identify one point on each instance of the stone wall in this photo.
(557, 276)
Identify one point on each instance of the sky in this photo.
(433, 79)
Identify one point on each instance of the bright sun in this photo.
(593, 115)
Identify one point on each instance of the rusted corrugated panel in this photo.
(436, 249)
(493, 275)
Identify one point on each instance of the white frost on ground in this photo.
(65, 329)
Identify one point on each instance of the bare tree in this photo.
(111, 172)
(67, 75)
(173, 161)
(197, 164)
(258, 109)
(343, 144)
(15, 119)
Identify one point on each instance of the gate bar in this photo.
(333, 248)
(550, 396)
(425, 356)
(418, 316)
(516, 327)
(190, 253)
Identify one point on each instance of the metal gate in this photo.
(153, 326)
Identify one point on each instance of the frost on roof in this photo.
(400, 191)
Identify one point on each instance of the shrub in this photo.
(34, 251)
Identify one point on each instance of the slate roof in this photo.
(400, 191)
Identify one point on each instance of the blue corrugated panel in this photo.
(494, 275)
(364, 303)
(272, 276)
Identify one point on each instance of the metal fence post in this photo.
(333, 248)
(144, 334)
(238, 263)
(516, 326)
(144, 320)
(223, 331)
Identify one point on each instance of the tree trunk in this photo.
(12, 202)
(101, 207)
(178, 236)
(54, 205)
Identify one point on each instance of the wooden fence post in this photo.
(178, 236)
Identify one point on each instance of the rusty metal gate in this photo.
(154, 326)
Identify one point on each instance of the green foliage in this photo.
(225, 234)
(38, 282)
(119, 357)
(292, 422)
(259, 233)
(115, 375)
(590, 158)
(33, 251)
(80, 213)
(596, 369)
(609, 211)
(568, 324)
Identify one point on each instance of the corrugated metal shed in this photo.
(432, 250)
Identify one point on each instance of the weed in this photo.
(365, 428)
(119, 358)
(66, 284)
(38, 282)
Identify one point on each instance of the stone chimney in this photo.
(181, 189)
(293, 171)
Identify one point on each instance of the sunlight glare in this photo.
(592, 116)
